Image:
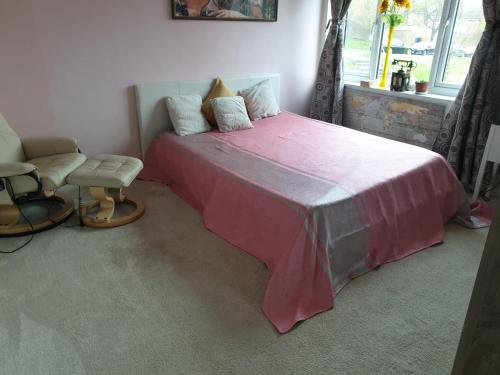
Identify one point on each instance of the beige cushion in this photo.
(11, 149)
(15, 169)
(113, 171)
(40, 147)
(23, 185)
(18, 177)
(54, 159)
(54, 169)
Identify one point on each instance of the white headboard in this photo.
(151, 109)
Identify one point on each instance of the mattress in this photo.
(319, 204)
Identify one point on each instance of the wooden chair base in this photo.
(10, 216)
(106, 200)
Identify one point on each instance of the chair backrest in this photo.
(11, 149)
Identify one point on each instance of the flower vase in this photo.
(383, 81)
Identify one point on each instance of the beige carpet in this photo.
(165, 296)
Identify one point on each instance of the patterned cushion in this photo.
(260, 101)
(231, 114)
(185, 113)
(218, 91)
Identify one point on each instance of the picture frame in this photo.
(225, 10)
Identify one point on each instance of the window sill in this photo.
(446, 101)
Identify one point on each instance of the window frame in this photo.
(441, 53)
(377, 34)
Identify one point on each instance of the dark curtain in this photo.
(329, 89)
(465, 129)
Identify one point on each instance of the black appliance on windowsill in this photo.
(400, 80)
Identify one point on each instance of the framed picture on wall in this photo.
(226, 10)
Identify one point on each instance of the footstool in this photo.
(106, 176)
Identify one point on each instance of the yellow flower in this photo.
(400, 3)
(384, 5)
(407, 4)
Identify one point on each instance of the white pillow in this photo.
(260, 100)
(186, 115)
(230, 113)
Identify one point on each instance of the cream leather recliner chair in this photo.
(31, 170)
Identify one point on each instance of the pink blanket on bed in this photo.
(318, 204)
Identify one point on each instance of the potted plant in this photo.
(392, 15)
(421, 87)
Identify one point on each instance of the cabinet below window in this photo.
(404, 117)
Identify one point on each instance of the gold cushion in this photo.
(219, 90)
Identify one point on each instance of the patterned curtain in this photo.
(329, 89)
(465, 129)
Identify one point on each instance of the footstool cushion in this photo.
(111, 171)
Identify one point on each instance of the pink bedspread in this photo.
(318, 204)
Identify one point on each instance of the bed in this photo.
(319, 204)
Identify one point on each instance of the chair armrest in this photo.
(39, 147)
(15, 169)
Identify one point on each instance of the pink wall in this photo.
(66, 66)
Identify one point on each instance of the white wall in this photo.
(67, 66)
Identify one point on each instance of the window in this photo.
(467, 30)
(440, 36)
(415, 39)
(359, 37)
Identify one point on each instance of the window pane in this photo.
(415, 39)
(467, 30)
(358, 39)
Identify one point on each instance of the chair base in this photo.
(106, 200)
(10, 216)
